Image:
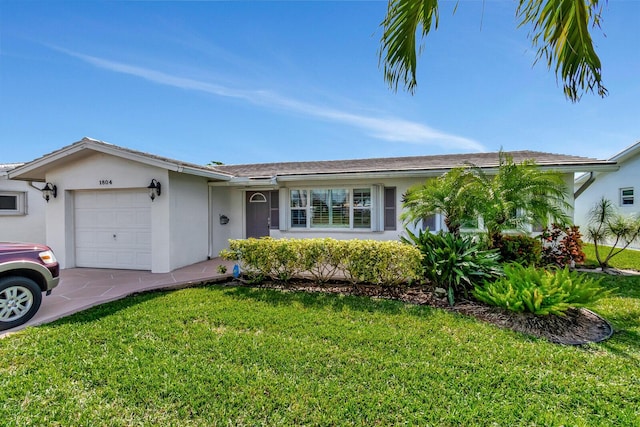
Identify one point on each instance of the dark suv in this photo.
(26, 270)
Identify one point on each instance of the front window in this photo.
(626, 197)
(299, 208)
(331, 208)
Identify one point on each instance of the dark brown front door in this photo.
(257, 213)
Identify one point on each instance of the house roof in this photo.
(36, 169)
(255, 173)
(626, 154)
(417, 165)
(6, 167)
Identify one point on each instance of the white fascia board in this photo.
(630, 151)
(362, 175)
(265, 183)
(204, 173)
(28, 167)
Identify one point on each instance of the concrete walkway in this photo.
(82, 288)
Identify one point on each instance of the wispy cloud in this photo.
(384, 128)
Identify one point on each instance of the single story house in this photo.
(119, 208)
(621, 186)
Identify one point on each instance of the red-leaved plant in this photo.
(562, 246)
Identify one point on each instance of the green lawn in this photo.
(239, 356)
(627, 259)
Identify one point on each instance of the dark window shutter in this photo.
(390, 208)
(274, 210)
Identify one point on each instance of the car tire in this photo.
(20, 299)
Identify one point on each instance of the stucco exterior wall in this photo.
(608, 185)
(189, 219)
(27, 227)
(102, 171)
(226, 201)
(231, 202)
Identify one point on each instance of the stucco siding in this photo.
(105, 172)
(608, 185)
(188, 218)
(28, 226)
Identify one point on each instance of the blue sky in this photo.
(265, 81)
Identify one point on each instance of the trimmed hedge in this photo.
(385, 263)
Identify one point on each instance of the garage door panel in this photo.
(113, 229)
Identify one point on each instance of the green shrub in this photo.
(541, 292)
(265, 258)
(520, 248)
(381, 262)
(385, 263)
(455, 263)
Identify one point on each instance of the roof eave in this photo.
(22, 172)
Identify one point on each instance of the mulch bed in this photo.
(578, 327)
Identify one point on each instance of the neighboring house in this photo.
(104, 217)
(622, 187)
(21, 209)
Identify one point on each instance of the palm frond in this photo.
(398, 44)
(560, 31)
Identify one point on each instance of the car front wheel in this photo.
(20, 299)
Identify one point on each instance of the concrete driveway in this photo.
(82, 288)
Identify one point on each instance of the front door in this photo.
(257, 213)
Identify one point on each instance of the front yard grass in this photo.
(238, 356)
(628, 259)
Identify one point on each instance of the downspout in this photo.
(584, 186)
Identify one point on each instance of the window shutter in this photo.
(274, 210)
(390, 218)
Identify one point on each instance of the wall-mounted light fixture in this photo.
(48, 191)
(155, 189)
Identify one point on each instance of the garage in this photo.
(113, 229)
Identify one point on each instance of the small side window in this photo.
(13, 203)
(626, 196)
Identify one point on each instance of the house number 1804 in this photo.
(105, 182)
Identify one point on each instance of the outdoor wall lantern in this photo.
(49, 190)
(224, 219)
(154, 189)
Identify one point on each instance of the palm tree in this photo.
(559, 32)
(519, 194)
(448, 194)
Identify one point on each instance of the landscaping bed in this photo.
(579, 326)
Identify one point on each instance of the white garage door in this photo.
(113, 229)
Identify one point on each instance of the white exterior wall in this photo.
(86, 174)
(27, 227)
(189, 219)
(401, 185)
(226, 201)
(608, 184)
(230, 201)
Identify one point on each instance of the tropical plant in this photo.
(541, 292)
(455, 263)
(608, 227)
(562, 246)
(520, 248)
(448, 194)
(559, 32)
(518, 195)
